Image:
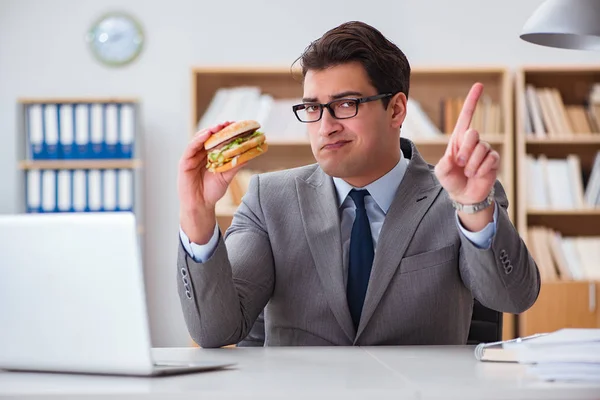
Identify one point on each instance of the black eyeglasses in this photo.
(339, 108)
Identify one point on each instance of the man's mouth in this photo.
(335, 145)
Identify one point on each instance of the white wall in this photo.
(43, 53)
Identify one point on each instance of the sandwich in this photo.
(233, 145)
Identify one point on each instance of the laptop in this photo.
(72, 297)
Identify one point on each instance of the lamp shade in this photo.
(566, 24)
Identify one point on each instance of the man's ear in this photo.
(397, 109)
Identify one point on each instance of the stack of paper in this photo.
(565, 355)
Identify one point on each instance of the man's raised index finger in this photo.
(468, 109)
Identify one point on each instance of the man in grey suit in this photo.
(371, 245)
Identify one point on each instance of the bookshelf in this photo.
(441, 91)
(430, 87)
(437, 92)
(89, 148)
(557, 128)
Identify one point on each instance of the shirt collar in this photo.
(382, 190)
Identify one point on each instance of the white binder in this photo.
(97, 132)
(34, 188)
(79, 187)
(112, 131)
(64, 190)
(51, 130)
(66, 132)
(48, 191)
(126, 130)
(36, 131)
(109, 192)
(126, 190)
(94, 188)
(82, 130)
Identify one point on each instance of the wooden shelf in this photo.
(562, 304)
(568, 224)
(55, 100)
(244, 69)
(493, 139)
(592, 212)
(80, 164)
(576, 139)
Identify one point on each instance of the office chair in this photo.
(486, 326)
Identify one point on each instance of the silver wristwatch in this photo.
(473, 208)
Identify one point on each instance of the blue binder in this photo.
(64, 191)
(35, 133)
(66, 132)
(126, 118)
(79, 192)
(82, 130)
(87, 190)
(50, 129)
(117, 189)
(111, 131)
(33, 191)
(49, 190)
(72, 192)
(97, 131)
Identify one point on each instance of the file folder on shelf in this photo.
(82, 131)
(78, 155)
(70, 130)
(35, 132)
(92, 190)
(50, 127)
(66, 132)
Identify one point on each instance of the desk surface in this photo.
(313, 372)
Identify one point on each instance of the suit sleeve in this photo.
(224, 295)
(200, 252)
(503, 277)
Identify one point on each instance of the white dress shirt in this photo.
(382, 192)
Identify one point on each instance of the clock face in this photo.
(116, 39)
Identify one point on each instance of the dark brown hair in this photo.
(386, 65)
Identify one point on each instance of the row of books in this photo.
(280, 124)
(487, 117)
(564, 258)
(570, 355)
(547, 115)
(558, 183)
(80, 130)
(81, 190)
(248, 102)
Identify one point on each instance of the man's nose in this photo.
(329, 124)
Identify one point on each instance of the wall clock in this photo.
(116, 39)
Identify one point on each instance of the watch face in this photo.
(116, 39)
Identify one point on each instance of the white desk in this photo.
(312, 373)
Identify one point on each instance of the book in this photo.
(568, 354)
(497, 352)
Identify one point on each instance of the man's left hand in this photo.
(469, 167)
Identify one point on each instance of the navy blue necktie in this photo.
(361, 257)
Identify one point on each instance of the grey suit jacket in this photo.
(283, 253)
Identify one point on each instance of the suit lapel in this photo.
(320, 216)
(414, 196)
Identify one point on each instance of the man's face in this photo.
(358, 149)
